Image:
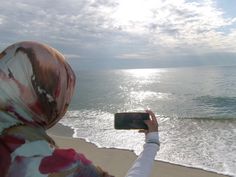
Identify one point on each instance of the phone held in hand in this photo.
(131, 120)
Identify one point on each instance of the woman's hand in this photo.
(151, 123)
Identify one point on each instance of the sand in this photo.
(117, 162)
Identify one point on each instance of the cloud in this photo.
(119, 29)
(72, 56)
(133, 56)
(178, 24)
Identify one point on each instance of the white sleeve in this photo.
(142, 166)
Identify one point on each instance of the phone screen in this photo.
(131, 120)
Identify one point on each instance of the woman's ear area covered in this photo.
(45, 83)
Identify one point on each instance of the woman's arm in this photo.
(142, 167)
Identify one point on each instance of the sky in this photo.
(108, 34)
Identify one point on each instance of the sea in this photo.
(195, 106)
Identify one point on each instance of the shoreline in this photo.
(118, 161)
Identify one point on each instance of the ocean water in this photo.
(196, 110)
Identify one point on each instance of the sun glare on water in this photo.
(145, 73)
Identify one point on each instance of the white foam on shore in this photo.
(189, 143)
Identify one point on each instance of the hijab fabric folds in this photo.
(36, 86)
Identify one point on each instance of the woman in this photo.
(36, 86)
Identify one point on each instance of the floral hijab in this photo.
(36, 86)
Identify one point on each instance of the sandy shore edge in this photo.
(116, 161)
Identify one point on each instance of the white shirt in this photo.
(142, 166)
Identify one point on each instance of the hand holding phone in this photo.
(131, 120)
(152, 123)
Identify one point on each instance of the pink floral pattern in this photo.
(62, 159)
(36, 86)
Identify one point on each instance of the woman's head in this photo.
(36, 85)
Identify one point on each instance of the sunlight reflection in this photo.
(145, 73)
(145, 76)
(146, 95)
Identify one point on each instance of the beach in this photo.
(196, 117)
(116, 161)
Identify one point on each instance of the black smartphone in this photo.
(131, 120)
